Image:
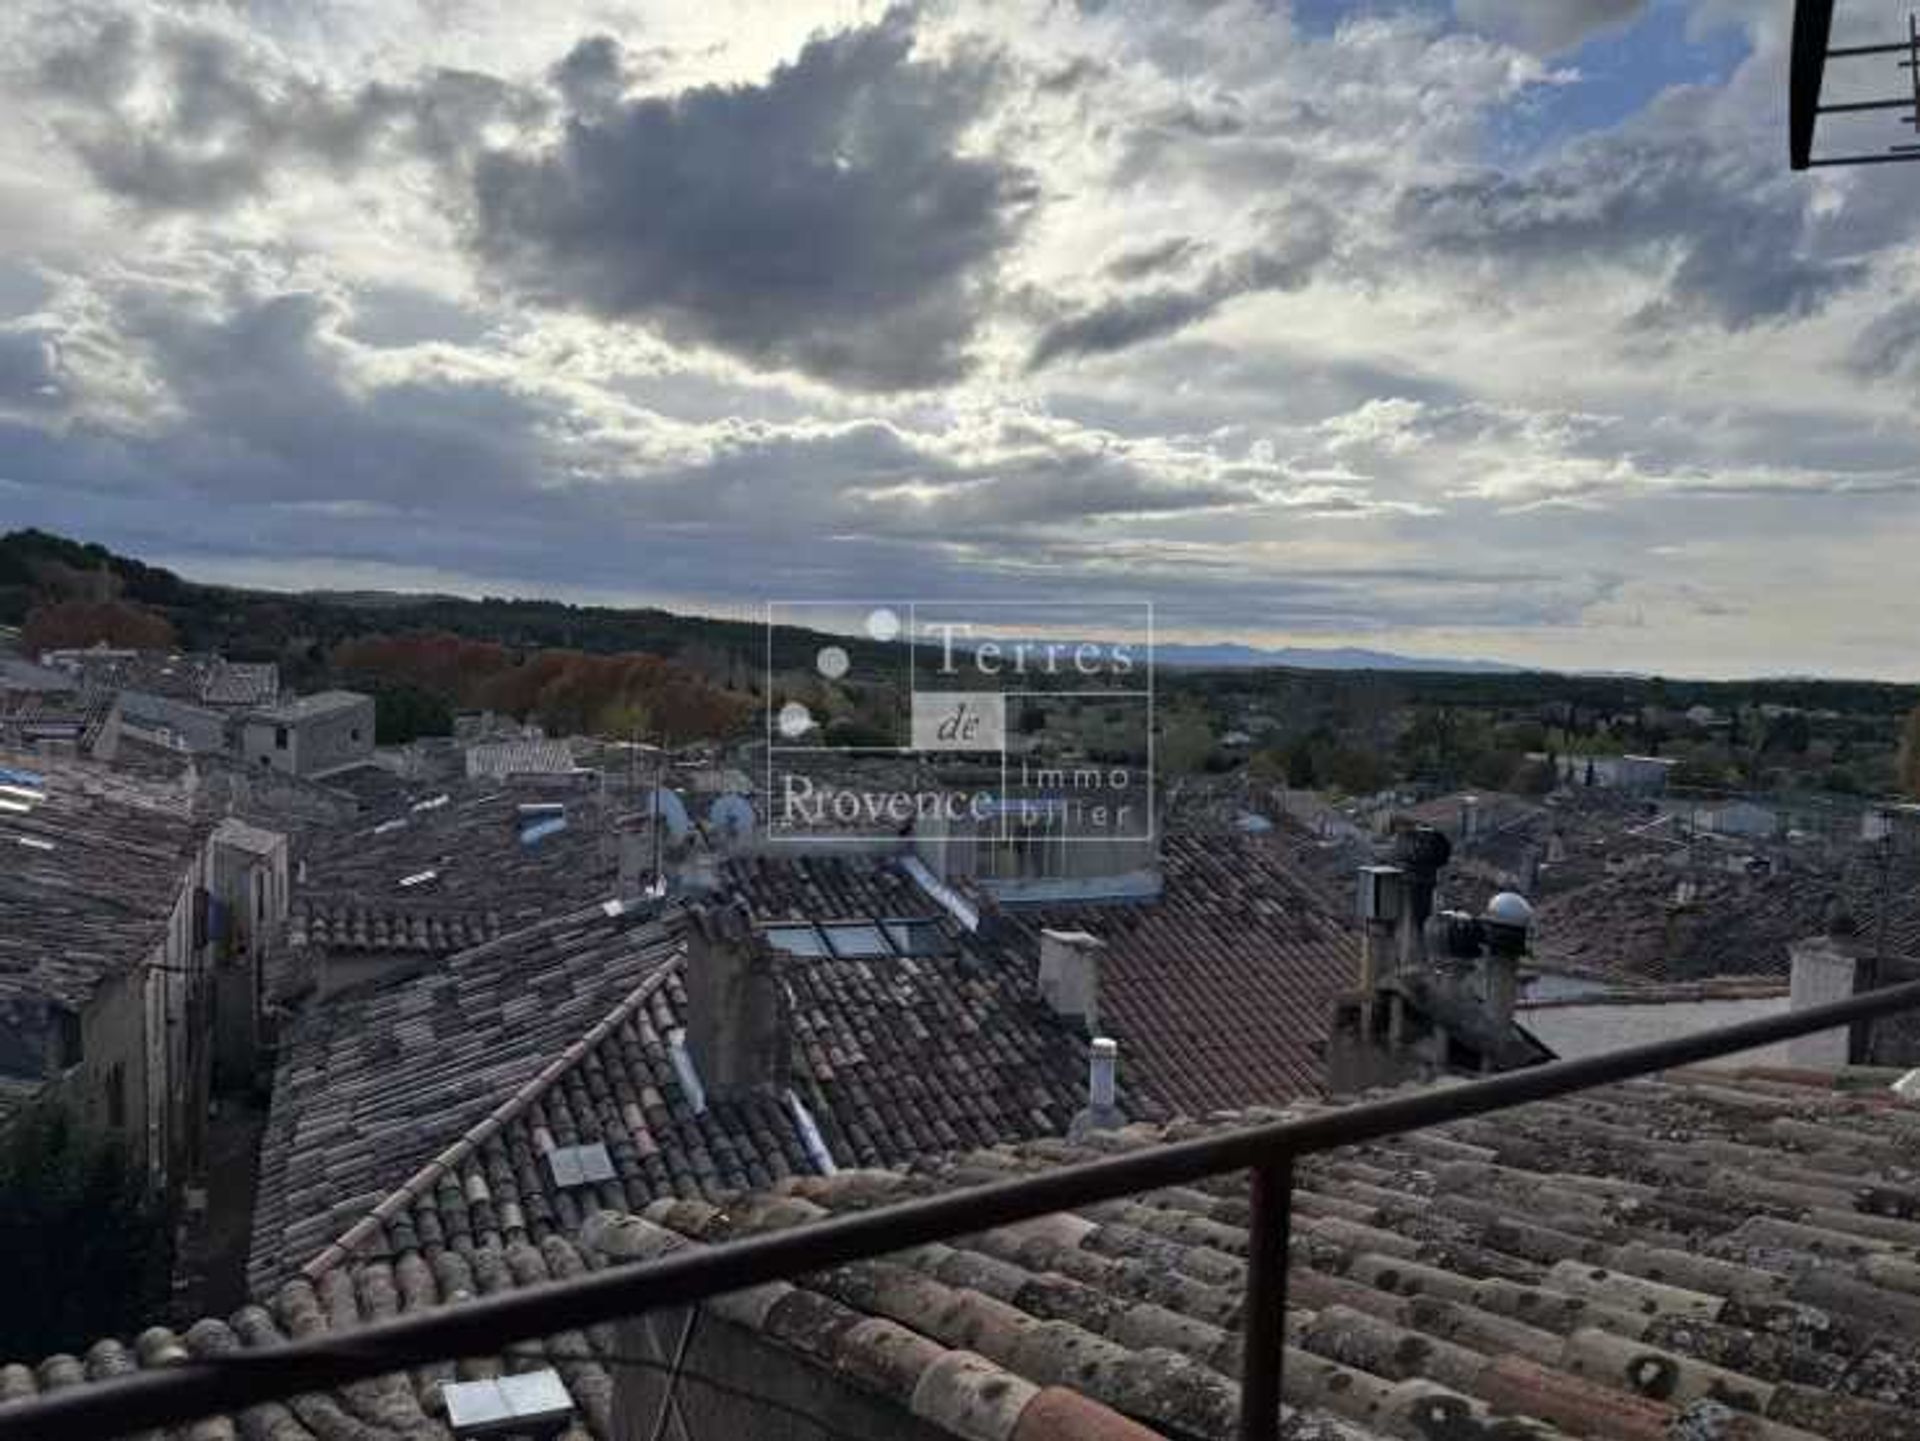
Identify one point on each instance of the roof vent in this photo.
(1102, 1111)
(532, 1403)
(418, 878)
(580, 1165)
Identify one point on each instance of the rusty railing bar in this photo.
(1264, 1311)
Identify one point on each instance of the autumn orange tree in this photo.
(76, 624)
(566, 691)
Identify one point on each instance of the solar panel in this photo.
(580, 1165)
(565, 1165)
(533, 1402)
(595, 1163)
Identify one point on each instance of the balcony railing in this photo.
(191, 1389)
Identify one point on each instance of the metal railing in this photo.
(183, 1392)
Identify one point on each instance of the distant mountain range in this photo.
(1228, 656)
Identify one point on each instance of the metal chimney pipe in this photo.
(1104, 1060)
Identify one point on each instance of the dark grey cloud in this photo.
(593, 77)
(823, 221)
(1300, 245)
(1736, 237)
(230, 126)
(267, 409)
(1169, 254)
(1547, 26)
(1889, 347)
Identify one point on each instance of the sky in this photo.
(1491, 328)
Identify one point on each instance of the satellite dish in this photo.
(671, 810)
(730, 817)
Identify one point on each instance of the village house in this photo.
(311, 736)
(131, 936)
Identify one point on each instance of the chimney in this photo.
(1420, 852)
(736, 1020)
(1382, 897)
(1102, 1111)
(1070, 975)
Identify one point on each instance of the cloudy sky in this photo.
(1460, 327)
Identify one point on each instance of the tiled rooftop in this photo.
(1219, 991)
(424, 1107)
(461, 846)
(406, 1405)
(499, 759)
(193, 676)
(1689, 1258)
(88, 873)
(1630, 925)
(306, 707)
(346, 925)
(373, 1086)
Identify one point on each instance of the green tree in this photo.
(86, 1249)
(1186, 741)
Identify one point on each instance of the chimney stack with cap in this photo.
(1503, 929)
(736, 1021)
(1070, 975)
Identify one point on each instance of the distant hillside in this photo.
(1240, 657)
(294, 626)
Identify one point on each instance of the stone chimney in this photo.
(1382, 897)
(736, 1006)
(1831, 966)
(1102, 1111)
(1420, 852)
(1070, 975)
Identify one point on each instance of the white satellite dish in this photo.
(671, 810)
(730, 817)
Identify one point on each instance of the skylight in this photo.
(917, 937)
(851, 939)
(796, 940)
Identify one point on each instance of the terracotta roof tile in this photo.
(1220, 990)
